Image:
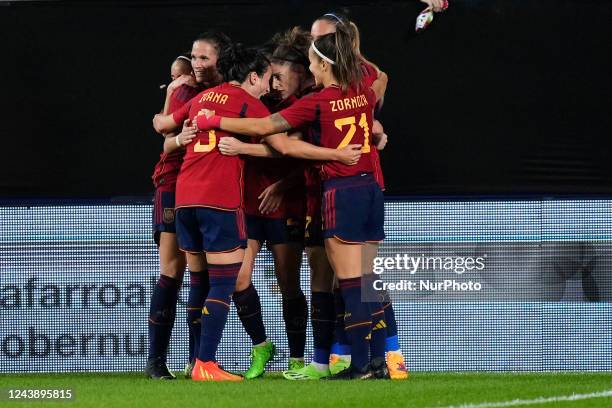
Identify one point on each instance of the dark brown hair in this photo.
(292, 46)
(219, 40)
(238, 61)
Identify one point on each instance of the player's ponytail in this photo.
(355, 37)
(337, 49)
(341, 19)
(237, 62)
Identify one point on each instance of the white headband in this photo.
(334, 16)
(182, 57)
(320, 54)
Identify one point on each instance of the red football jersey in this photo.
(167, 168)
(369, 76)
(314, 192)
(208, 178)
(369, 73)
(181, 96)
(378, 174)
(263, 172)
(336, 119)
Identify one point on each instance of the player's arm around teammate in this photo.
(181, 73)
(206, 50)
(172, 262)
(209, 196)
(349, 219)
(275, 221)
(327, 24)
(187, 134)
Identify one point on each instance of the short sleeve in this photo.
(301, 112)
(180, 96)
(369, 73)
(371, 96)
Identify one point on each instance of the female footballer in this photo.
(209, 191)
(341, 353)
(341, 113)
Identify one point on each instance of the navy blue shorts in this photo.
(163, 214)
(202, 229)
(274, 231)
(353, 209)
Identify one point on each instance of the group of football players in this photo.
(279, 145)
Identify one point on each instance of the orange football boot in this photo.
(396, 365)
(210, 371)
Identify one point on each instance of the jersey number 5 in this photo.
(205, 148)
(350, 121)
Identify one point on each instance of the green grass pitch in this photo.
(421, 390)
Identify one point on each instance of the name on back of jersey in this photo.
(349, 103)
(215, 97)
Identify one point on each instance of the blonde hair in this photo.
(339, 48)
(338, 19)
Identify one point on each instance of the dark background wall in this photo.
(496, 97)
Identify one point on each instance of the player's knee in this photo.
(242, 282)
(289, 282)
(174, 268)
(290, 289)
(322, 279)
(173, 273)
